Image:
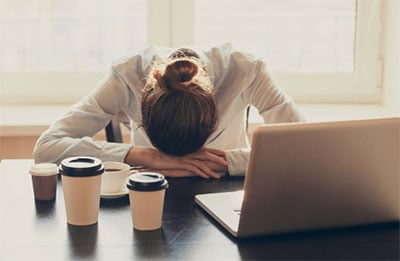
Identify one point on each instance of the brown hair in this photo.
(179, 110)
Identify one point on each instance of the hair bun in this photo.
(178, 72)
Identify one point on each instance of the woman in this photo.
(187, 111)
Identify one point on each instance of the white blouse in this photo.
(239, 80)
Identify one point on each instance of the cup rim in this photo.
(156, 182)
(109, 164)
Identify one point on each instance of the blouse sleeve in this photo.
(273, 105)
(71, 135)
(237, 160)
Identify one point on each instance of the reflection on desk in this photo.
(32, 230)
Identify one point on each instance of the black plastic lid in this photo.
(81, 166)
(147, 181)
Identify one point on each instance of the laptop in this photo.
(308, 176)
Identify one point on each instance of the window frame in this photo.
(363, 85)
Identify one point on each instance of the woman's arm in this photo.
(270, 100)
(204, 163)
(274, 105)
(71, 135)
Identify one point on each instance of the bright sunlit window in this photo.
(320, 50)
(295, 36)
(69, 35)
(56, 51)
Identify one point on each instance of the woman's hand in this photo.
(204, 162)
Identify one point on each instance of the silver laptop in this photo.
(306, 176)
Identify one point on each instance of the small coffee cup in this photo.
(81, 180)
(44, 180)
(146, 196)
(114, 177)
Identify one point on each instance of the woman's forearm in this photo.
(205, 162)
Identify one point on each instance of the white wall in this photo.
(391, 54)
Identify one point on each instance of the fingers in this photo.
(200, 168)
(176, 173)
(198, 163)
(187, 168)
(213, 155)
(215, 151)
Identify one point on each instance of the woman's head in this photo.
(179, 111)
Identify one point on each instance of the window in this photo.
(293, 36)
(56, 51)
(69, 35)
(319, 50)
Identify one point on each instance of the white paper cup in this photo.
(81, 180)
(146, 196)
(114, 177)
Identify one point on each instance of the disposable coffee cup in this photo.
(114, 177)
(146, 196)
(81, 181)
(44, 180)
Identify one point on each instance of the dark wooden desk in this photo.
(31, 230)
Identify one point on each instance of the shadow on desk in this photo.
(82, 241)
(45, 209)
(367, 242)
